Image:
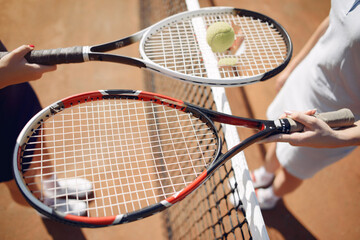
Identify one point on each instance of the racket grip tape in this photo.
(336, 119)
(54, 56)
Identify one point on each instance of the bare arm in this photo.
(318, 134)
(302, 54)
(15, 69)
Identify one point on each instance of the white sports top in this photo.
(336, 77)
(327, 79)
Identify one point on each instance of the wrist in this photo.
(3, 78)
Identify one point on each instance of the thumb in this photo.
(21, 51)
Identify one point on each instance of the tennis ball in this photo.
(223, 62)
(220, 36)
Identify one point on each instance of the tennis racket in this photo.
(142, 152)
(177, 47)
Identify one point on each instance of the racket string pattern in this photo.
(104, 142)
(177, 47)
(140, 153)
(206, 213)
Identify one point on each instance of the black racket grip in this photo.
(340, 118)
(54, 56)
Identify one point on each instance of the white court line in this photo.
(245, 188)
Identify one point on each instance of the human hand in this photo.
(317, 133)
(15, 69)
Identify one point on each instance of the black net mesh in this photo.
(207, 213)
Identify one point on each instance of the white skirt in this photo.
(298, 94)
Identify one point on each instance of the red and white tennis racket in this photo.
(177, 47)
(142, 152)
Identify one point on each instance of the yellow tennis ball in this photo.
(220, 36)
(223, 62)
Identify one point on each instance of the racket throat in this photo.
(222, 158)
(102, 57)
(123, 42)
(230, 119)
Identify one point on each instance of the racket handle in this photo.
(340, 118)
(54, 56)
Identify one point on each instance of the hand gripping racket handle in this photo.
(340, 118)
(54, 56)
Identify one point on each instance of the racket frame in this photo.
(207, 116)
(223, 82)
(79, 54)
(93, 53)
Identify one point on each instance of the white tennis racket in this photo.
(177, 47)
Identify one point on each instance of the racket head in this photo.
(83, 137)
(177, 46)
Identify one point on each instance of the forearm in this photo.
(349, 136)
(283, 76)
(319, 32)
(4, 80)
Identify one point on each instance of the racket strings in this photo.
(180, 48)
(134, 153)
(176, 48)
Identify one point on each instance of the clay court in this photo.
(324, 207)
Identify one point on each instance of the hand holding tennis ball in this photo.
(220, 36)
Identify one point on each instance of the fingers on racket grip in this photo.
(56, 56)
(340, 118)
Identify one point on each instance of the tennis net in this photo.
(207, 213)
